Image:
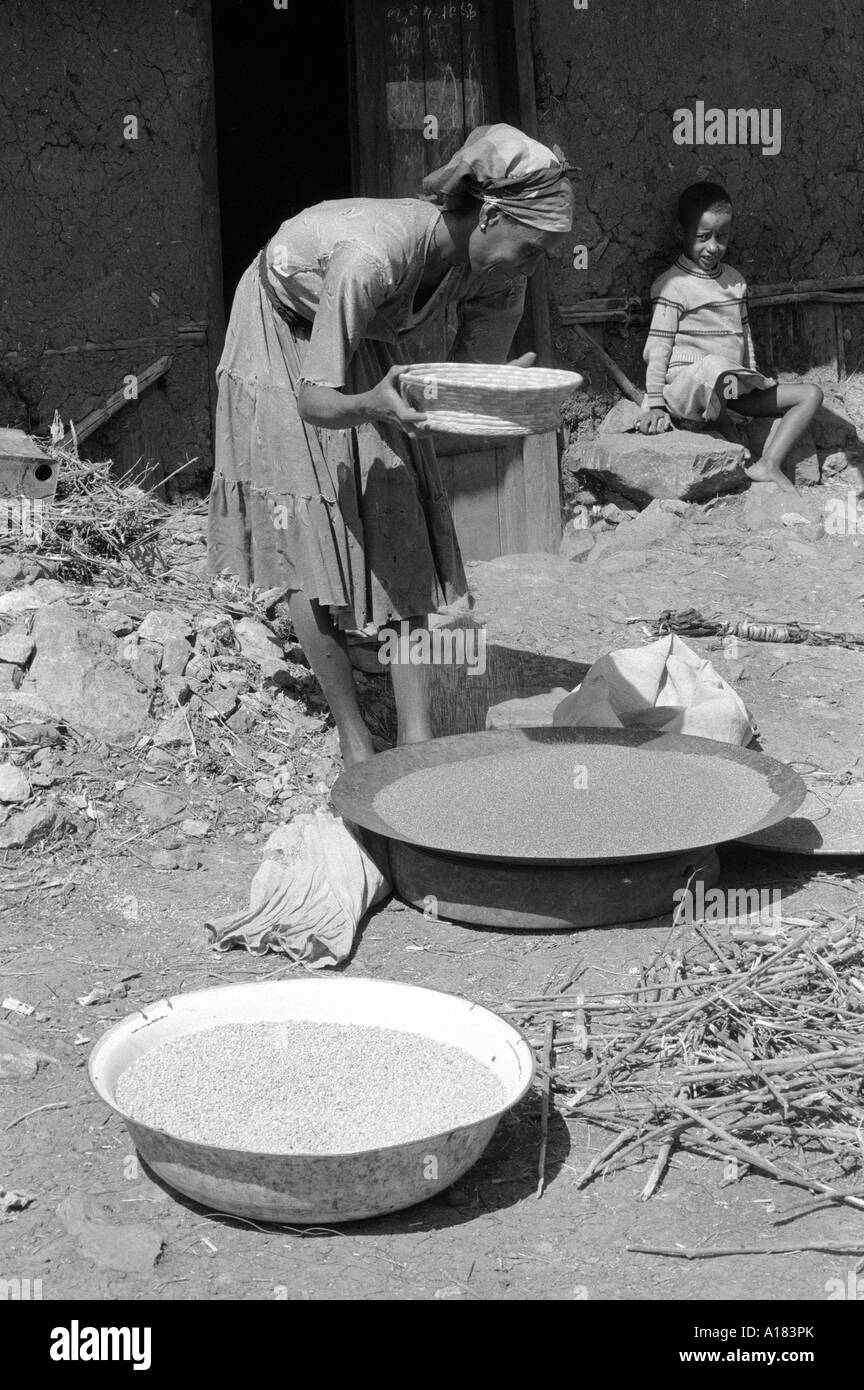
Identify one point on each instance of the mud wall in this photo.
(109, 229)
(609, 79)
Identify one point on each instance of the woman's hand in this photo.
(384, 402)
(526, 360)
(653, 422)
(330, 409)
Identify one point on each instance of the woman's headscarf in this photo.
(505, 169)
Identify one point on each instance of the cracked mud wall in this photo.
(608, 80)
(105, 239)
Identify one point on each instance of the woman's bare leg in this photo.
(326, 650)
(411, 687)
(797, 403)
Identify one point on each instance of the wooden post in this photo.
(539, 338)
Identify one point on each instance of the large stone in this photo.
(833, 426)
(215, 703)
(655, 524)
(35, 595)
(176, 653)
(24, 829)
(258, 644)
(143, 660)
(17, 647)
(118, 621)
(154, 804)
(176, 689)
(78, 677)
(172, 732)
(679, 463)
(23, 707)
(162, 623)
(577, 542)
(14, 785)
(621, 418)
(17, 571)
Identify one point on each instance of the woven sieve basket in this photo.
(482, 398)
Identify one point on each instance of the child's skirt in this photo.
(689, 389)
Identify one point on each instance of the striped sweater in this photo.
(696, 314)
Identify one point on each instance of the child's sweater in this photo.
(695, 315)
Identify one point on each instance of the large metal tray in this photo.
(354, 792)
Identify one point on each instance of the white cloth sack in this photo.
(313, 889)
(664, 685)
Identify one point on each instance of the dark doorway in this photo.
(282, 118)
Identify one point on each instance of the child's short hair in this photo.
(699, 198)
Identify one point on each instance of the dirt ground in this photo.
(74, 918)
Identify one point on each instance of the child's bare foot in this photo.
(765, 471)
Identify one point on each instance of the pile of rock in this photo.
(622, 476)
(199, 693)
(695, 466)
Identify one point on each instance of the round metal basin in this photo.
(316, 1188)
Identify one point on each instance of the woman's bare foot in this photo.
(766, 471)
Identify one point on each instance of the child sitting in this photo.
(700, 351)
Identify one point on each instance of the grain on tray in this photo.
(307, 1087)
(576, 801)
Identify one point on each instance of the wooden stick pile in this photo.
(748, 1048)
(98, 527)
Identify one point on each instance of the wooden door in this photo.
(426, 72)
(425, 77)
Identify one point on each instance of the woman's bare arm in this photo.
(330, 409)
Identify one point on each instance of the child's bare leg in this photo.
(725, 390)
(411, 690)
(797, 403)
(326, 650)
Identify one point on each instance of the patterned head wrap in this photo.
(505, 169)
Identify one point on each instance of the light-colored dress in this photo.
(356, 518)
(700, 330)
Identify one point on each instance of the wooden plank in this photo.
(211, 225)
(370, 149)
(443, 77)
(524, 48)
(475, 507)
(542, 492)
(447, 444)
(405, 97)
(184, 338)
(819, 331)
(479, 68)
(844, 289)
(840, 339)
(535, 331)
(135, 447)
(511, 498)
